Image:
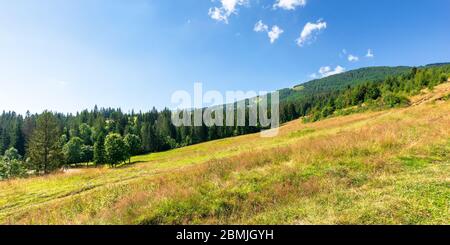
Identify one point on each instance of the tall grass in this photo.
(389, 167)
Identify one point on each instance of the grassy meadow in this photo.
(376, 167)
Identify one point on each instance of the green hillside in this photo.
(385, 167)
(341, 81)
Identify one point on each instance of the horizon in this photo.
(194, 108)
(70, 56)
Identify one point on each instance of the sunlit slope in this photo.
(376, 167)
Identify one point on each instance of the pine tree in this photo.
(149, 138)
(44, 147)
(17, 139)
(99, 150)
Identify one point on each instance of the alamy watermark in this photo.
(211, 108)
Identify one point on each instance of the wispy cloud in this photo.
(343, 53)
(326, 71)
(289, 4)
(274, 32)
(370, 54)
(260, 27)
(313, 76)
(352, 58)
(227, 8)
(310, 31)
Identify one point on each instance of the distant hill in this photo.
(438, 64)
(341, 81)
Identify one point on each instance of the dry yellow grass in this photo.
(370, 168)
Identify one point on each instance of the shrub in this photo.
(393, 100)
(11, 165)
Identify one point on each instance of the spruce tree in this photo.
(44, 149)
(99, 150)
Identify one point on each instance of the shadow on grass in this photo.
(125, 165)
(93, 165)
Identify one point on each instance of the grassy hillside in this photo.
(341, 81)
(377, 167)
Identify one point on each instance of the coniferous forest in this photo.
(42, 143)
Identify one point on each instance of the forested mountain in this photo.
(341, 81)
(107, 135)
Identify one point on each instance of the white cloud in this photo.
(310, 31)
(326, 71)
(343, 53)
(353, 58)
(275, 33)
(289, 4)
(260, 27)
(313, 76)
(228, 8)
(217, 14)
(370, 54)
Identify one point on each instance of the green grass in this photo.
(385, 167)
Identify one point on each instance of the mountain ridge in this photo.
(341, 81)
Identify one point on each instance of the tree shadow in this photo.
(126, 165)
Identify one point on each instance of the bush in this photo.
(327, 111)
(11, 165)
(392, 100)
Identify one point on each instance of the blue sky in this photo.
(67, 55)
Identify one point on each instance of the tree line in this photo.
(48, 141)
(42, 143)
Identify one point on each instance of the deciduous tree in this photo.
(133, 144)
(115, 148)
